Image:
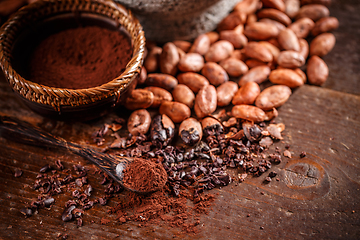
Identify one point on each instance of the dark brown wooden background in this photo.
(317, 197)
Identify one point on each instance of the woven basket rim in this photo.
(65, 96)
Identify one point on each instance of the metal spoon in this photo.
(113, 165)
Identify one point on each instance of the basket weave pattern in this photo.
(57, 97)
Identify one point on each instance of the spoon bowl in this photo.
(113, 165)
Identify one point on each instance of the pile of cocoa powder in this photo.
(81, 57)
(144, 175)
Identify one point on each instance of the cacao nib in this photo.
(67, 214)
(45, 168)
(18, 173)
(48, 202)
(27, 212)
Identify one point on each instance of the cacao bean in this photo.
(176, 111)
(275, 15)
(274, 42)
(313, 11)
(326, 24)
(317, 70)
(257, 74)
(213, 36)
(142, 77)
(162, 131)
(218, 51)
(225, 93)
(181, 53)
(290, 59)
(234, 67)
(292, 7)
(261, 31)
(301, 74)
(279, 25)
(246, 94)
(288, 40)
(277, 4)
(169, 58)
(209, 123)
(287, 77)
(258, 51)
(239, 29)
(304, 48)
(302, 27)
(251, 19)
(236, 38)
(201, 44)
(231, 21)
(162, 80)
(205, 101)
(273, 97)
(251, 63)
(139, 98)
(248, 112)
(272, 48)
(190, 131)
(151, 62)
(139, 122)
(184, 94)
(160, 95)
(238, 54)
(271, 114)
(322, 44)
(194, 81)
(191, 62)
(183, 45)
(214, 73)
(247, 6)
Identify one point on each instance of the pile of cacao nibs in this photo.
(234, 143)
(55, 179)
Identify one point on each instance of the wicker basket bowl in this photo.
(50, 15)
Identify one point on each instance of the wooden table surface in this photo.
(316, 197)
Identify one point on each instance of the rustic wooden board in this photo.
(316, 197)
(344, 59)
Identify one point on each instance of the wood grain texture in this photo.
(316, 197)
(344, 59)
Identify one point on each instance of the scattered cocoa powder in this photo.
(163, 206)
(104, 221)
(144, 175)
(81, 57)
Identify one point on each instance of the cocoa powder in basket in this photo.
(79, 58)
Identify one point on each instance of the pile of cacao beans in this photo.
(258, 54)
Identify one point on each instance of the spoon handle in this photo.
(19, 131)
(22, 132)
